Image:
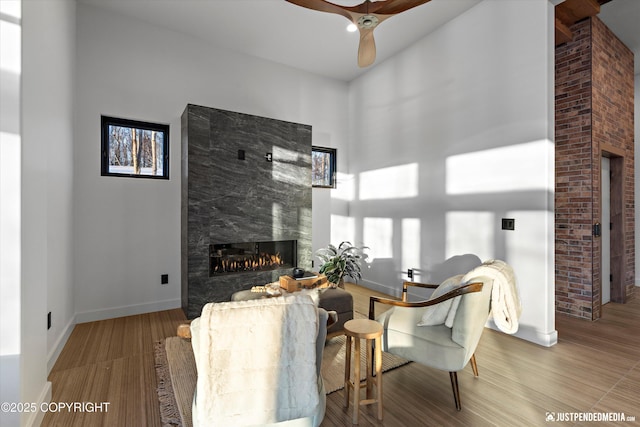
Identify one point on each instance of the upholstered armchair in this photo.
(258, 363)
(452, 323)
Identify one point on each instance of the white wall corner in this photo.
(53, 355)
(127, 310)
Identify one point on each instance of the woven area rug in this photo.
(176, 371)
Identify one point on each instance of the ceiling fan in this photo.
(366, 16)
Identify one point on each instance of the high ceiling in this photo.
(286, 33)
(318, 42)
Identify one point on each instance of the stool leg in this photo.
(378, 359)
(356, 382)
(369, 367)
(347, 372)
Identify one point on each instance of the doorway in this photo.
(605, 249)
(613, 227)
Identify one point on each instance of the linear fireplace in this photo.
(230, 258)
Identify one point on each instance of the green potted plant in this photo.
(341, 261)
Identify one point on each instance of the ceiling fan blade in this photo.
(387, 7)
(392, 7)
(322, 6)
(367, 48)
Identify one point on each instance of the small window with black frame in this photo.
(135, 149)
(323, 167)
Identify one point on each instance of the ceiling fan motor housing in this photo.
(368, 21)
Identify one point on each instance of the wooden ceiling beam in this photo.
(571, 11)
(563, 33)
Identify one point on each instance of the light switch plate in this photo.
(508, 224)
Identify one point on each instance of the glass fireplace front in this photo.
(230, 258)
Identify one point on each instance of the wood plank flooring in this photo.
(595, 367)
(112, 361)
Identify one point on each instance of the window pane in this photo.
(323, 165)
(134, 149)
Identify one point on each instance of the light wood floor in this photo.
(595, 367)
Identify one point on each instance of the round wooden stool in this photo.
(371, 331)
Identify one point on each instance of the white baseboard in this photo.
(385, 289)
(527, 333)
(127, 310)
(35, 418)
(59, 345)
(110, 313)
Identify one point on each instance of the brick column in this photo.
(594, 113)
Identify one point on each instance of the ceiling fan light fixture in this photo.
(352, 28)
(368, 21)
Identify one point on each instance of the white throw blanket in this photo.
(505, 299)
(256, 361)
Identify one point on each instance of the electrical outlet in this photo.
(508, 224)
(164, 279)
(48, 321)
(410, 273)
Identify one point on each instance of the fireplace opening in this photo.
(229, 258)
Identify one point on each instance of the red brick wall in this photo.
(594, 107)
(613, 127)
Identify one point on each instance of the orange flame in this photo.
(263, 261)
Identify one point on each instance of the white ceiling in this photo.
(286, 33)
(318, 42)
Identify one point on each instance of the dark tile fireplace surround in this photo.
(246, 203)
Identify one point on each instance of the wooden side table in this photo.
(371, 331)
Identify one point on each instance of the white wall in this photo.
(10, 165)
(58, 112)
(449, 137)
(637, 170)
(127, 230)
(10, 66)
(48, 62)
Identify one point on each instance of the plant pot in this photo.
(339, 284)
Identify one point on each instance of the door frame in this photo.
(617, 247)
